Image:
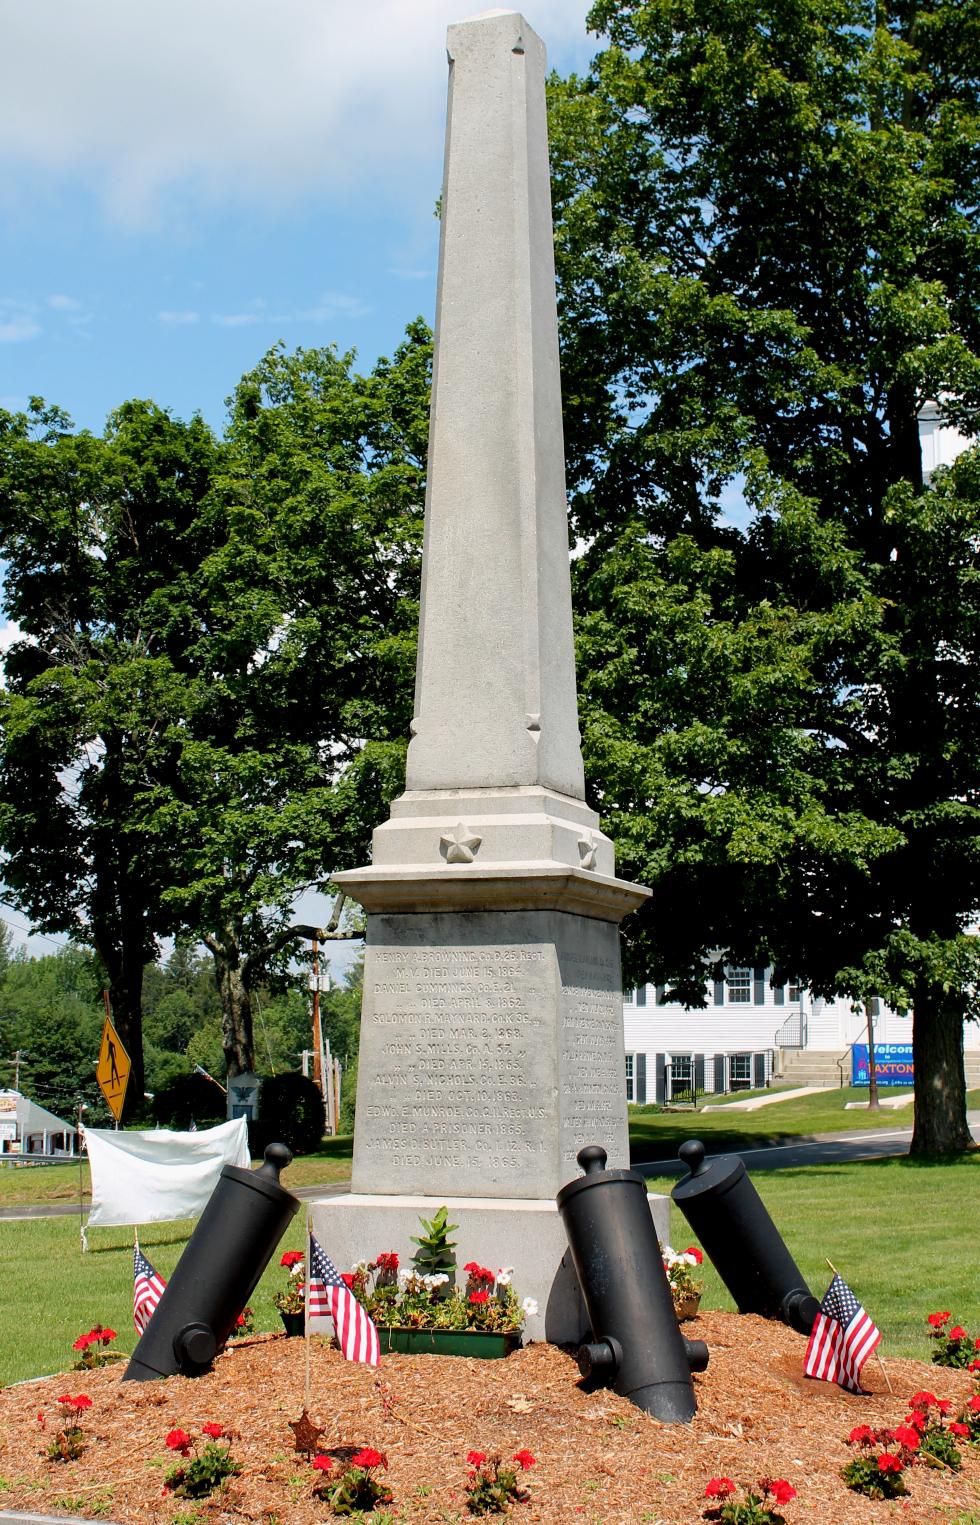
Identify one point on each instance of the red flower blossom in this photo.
(974, 1403)
(906, 1436)
(482, 1296)
(917, 1419)
(943, 1405)
(368, 1457)
(922, 1400)
(781, 1490)
(476, 1458)
(524, 1460)
(291, 1258)
(179, 1440)
(347, 1277)
(976, 1344)
(83, 1401)
(889, 1463)
(861, 1435)
(41, 1420)
(472, 1267)
(719, 1488)
(82, 1343)
(937, 1320)
(323, 1463)
(105, 1335)
(974, 1365)
(955, 1428)
(214, 1431)
(957, 1332)
(388, 1261)
(692, 1249)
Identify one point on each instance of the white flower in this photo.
(504, 1276)
(404, 1277)
(530, 1306)
(437, 1279)
(687, 1260)
(360, 1265)
(298, 1269)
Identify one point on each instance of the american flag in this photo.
(329, 1296)
(842, 1339)
(148, 1288)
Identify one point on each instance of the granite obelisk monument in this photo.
(491, 1030)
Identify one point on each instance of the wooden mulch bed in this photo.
(599, 1459)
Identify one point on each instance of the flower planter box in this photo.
(449, 1342)
(687, 1306)
(292, 1322)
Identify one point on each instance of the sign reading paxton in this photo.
(893, 1064)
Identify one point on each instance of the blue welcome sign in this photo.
(893, 1064)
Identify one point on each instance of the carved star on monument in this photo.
(460, 845)
(587, 849)
(307, 1434)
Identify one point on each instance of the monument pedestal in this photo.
(522, 1232)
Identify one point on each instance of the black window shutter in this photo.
(660, 1078)
(759, 1065)
(759, 981)
(779, 995)
(641, 995)
(719, 1072)
(661, 994)
(699, 1074)
(719, 992)
(875, 1006)
(640, 1064)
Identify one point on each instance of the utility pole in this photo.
(19, 1054)
(873, 1103)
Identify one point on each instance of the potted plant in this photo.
(292, 1302)
(418, 1310)
(685, 1288)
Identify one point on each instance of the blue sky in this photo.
(184, 184)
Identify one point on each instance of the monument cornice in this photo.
(525, 886)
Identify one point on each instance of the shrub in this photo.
(189, 1098)
(292, 1114)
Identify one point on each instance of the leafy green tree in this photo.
(51, 1009)
(767, 244)
(102, 538)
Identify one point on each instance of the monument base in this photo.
(526, 1233)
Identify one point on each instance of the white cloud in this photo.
(9, 633)
(17, 322)
(329, 306)
(235, 99)
(177, 317)
(62, 303)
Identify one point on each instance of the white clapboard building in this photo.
(749, 1034)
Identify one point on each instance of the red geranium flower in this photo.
(974, 1365)
(179, 1440)
(889, 1463)
(955, 1428)
(105, 1335)
(82, 1401)
(476, 1458)
(922, 1400)
(943, 1405)
(974, 1402)
(957, 1332)
(82, 1343)
(976, 1344)
(471, 1266)
(215, 1431)
(692, 1249)
(917, 1419)
(483, 1296)
(388, 1261)
(291, 1258)
(323, 1463)
(937, 1320)
(862, 1434)
(906, 1436)
(524, 1460)
(719, 1488)
(781, 1490)
(368, 1457)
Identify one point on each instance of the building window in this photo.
(740, 1072)
(793, 993)
(740, 985)
(630, 1093)
(629, 997)
(680, 1073)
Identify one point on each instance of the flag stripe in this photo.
(148, 1288)
(842, 1339)
(329, 1296)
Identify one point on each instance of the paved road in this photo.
(825, 1149)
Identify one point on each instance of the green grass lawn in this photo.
(902, 1235)
(21, 1185)
(656, 1135)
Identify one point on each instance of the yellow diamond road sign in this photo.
(112, 1071)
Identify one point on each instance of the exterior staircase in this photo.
(819, 1067)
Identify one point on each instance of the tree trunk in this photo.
(873, 1103)
(236, 1007)
(123, 960)
(940, 1082)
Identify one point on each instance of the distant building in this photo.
(750, 1033)
(939, 442)
(26, 1128)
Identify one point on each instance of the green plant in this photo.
(937, 1440)
(952, 1345)
(353, 1486)
(93, 1349)
(69, 1443)
(681, 1268)
(877, 1472)
(402, 1299)
(293, 1300)
(970, 1417)
(292, 1112)
(435, 1248)
(202, 1470)
(492, 1486)
(753, 1508)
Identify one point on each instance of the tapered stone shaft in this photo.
(495, 692)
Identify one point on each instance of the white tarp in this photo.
(159, 1174)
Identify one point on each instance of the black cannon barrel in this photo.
(637, 1348)
(246, 1216)
(740, 1239)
